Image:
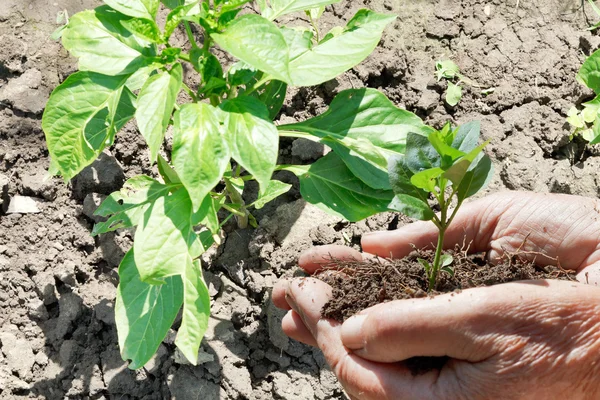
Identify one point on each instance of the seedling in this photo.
(448, 70)
(223, 136)
(447, 166)
(586, 122)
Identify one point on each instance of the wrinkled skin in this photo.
(525, 340)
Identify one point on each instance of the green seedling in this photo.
(448, 70)
(223, 137)
(447, 166)
(586, 122)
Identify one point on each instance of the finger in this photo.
(318, 257)
(361, 378)
(466, 326)
(473, 225)
(292, 325)
(278, 294)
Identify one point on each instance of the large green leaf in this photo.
(163, 237)
(126, 207)
(103, 45)
(136, 8)
(331, 186)
(281, 7)
(412, 207)
(330, 58)
(420, 154)
(252, 137)
(259, 43)
(477, 177)
(200, 153)
(143, 312)
(589, 73)
(299, 40)
(196, 311)
(365, 128)
(467, 136)
(82, 116)
(155, 106)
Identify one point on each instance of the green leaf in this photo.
(175, 17)
(299, 40)
(589, 73)
(425, 264)
(252, 137)
(448, 153)
(400, 178)
(420, 153)
(155, 106)
(329, 59)
(163, 237)
(427, 179)
(258, 42)
(271, 94)
(331, 186)
(229, 5)
(457, 172)
(206, 64)
(127, 206)
(167, 172)
(82, 116)
(411, 207)
(139, 77)
(282, 7)
(207, 214)
(102, 44)
(200, 153)
(274, 190)
(453, 94)
(467, 136)
(145, 29)
(446, 69)
(136, 8)
(596, 131)
(196, 311)
(446, 260)
(240, 73)
(477, 177)
(369, 125)
(144, 313)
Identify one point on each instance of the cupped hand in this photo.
(538, 339)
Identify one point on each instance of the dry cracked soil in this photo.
(57, 284)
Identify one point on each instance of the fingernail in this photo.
(352, 336)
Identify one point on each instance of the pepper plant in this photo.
(446, 166)
(223, 136)
(586, 123)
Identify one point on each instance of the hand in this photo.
(537, 339)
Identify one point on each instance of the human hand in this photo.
(518, 340)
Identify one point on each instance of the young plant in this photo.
(448, 70)
(447, 166)
(586, 123)
(223, 136)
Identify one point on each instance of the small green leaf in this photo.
(175, 17)
(420, 154)
(167, 172)
(145, 29)
(331, 186)
(400, 178)
(252, 137)
(163, 237)
(200, 153)
(457, 172)
(207, 214)
(448, 270)
(240, 73)
(427, 179)
(228, 5)
(596, 132)
(155, 106)
(467, 136)
(453, 94)
(411, 206)
(329, 59)
(82, 116)
(283, 7)
(477, 177)
(136, 8)
(425, 264)
(271, 94)
(258, 42)
(144, 313)
(127, 206)
(196, 310)
(446, 69)
(446, 260)
(589, 73)
(102, 44)
(274, 190)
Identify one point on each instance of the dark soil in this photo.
(358, 285)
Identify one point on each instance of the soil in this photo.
(57, 283)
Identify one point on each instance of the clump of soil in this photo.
(358, 285)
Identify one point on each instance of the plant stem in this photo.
(190, 34)
(314, 25)
(236, 198)
(435, 268)
(184, 57)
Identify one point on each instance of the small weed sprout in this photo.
(448, 70)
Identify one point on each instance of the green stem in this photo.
(312, 22)
(184, 57)
(190, 34)
(189, 92)
(242, 215)
(437, 260)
